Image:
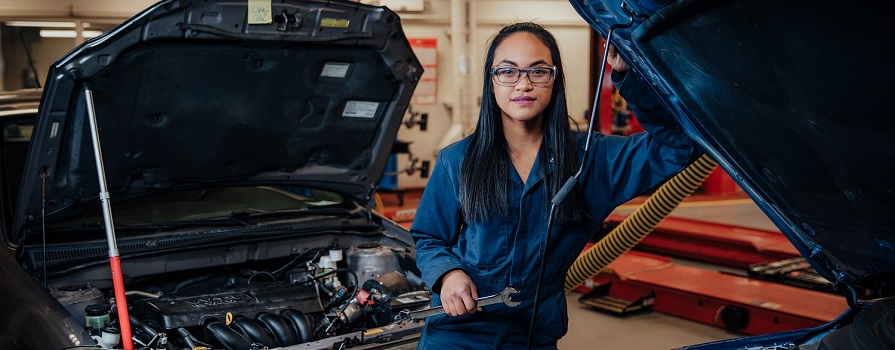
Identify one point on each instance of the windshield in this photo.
(206, 204)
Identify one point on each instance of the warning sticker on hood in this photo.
(335, 70)
(334, 22)
(360, 109)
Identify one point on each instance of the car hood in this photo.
(188, 94)
(793, 101)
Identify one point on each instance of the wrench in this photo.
(502, 297)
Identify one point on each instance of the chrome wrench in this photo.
(502, 297)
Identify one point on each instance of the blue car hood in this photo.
(189, 94)
(793, 99)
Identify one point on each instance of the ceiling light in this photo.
(40, 24)
(49, 33)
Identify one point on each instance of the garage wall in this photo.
(111, 9)
(423, 19)
(572, 32)
(102, 14)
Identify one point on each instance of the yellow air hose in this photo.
(636, 226)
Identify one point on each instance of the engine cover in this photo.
(194, 309)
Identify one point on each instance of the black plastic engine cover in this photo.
(194, 309)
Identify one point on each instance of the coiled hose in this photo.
(636, 226)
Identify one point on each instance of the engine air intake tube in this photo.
(636, 226)
(300, 324)
(279, 328)
(229, 337)
(290, 327)
(255, 330)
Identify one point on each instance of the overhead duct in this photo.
(463, 109)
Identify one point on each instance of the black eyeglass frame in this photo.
(549, 82)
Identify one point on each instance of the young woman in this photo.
(482, 219)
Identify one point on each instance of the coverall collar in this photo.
(536, 175)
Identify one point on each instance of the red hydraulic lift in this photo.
(742, 304)
(720, 244)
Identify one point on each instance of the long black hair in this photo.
(484, 179)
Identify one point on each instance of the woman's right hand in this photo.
(458, 294)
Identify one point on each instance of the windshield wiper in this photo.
(253, 214)
(242, 217)
(171, 225)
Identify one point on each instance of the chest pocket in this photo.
(483, 245)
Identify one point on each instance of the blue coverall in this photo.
(504, 251)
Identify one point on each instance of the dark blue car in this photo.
(216, 176)
(792, 98)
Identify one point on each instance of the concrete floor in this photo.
(591, 329)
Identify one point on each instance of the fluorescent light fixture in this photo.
(47, 33)
(18, 112)
(50, 33)
(40, 24)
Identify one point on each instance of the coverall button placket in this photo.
(526, 245)
(517, 264)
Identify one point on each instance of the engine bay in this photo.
(331, 296)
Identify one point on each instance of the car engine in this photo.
(319, 294)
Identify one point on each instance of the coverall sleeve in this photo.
(626, 167)
(654, 117)
(437, 226)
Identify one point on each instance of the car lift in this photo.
(721, 244)
(737, 303)
(640, 280)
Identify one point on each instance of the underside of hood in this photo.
(792, 98)
(189, 94)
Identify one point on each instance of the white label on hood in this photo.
(360, 109)
(335, 69)
(259, 12)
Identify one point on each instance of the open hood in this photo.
(189, 94)
(792, 98)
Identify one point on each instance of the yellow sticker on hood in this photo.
(259, 12)
(334, 22)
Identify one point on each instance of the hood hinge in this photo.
(371, 201)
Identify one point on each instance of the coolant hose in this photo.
(637, 225)
(145, 327)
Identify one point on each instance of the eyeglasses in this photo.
(538, 76)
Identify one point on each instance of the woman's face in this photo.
(522, 101)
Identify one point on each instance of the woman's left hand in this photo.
(615, 60)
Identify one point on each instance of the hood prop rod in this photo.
(114, 260)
